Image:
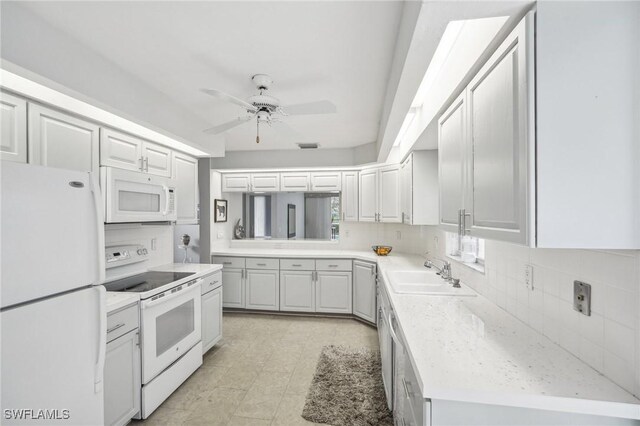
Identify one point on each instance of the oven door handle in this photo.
(188, 287)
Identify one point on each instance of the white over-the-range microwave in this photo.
(137, 197)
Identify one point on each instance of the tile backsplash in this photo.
(608, 340)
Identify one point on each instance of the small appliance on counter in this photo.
(170, 320)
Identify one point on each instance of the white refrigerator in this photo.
(53, 310)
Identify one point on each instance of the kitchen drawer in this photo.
(211, 282)
(297, 264)
(411, 389)
(333, 264)
(262, 263)
(229, 262)
(122, 321)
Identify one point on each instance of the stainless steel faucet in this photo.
(445, 271)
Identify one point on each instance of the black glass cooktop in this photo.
(146, 281)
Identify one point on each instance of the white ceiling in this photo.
(340, 51)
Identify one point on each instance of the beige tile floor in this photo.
(260, 372)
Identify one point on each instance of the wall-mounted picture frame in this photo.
(220, 210)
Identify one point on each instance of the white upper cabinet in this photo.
(295, 181)
(406, 190)
(236, 182)
(13, 128)
(326, 181)
(60, 140)
(497, 149)
(389, 198)
(349, 203)
(128, 152)
(368, 201)
(120, 150)
(451, 147)
(157, 159)
(265, 182)
(419, 188)
(185, 174)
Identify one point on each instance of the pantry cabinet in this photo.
(60, 140)
(185, 174)
(349, 202)
(13, 128)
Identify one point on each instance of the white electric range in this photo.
(170, 321)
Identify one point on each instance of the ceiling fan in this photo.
(265, 109)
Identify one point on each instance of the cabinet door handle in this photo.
(343, 215)
(146, 164)
(407, 392)
(141, 164)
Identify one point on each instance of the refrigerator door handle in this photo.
(97, 203)
(102, 339)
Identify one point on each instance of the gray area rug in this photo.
(347, 389)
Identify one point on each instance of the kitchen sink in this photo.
(424, 282)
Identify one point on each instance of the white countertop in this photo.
(199, 269)
(298, 253)
(120, 299)
(468, 349)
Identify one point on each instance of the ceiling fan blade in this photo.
(227, 97)
(318, 107)
(228, 125)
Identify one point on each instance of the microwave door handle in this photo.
(166, 200)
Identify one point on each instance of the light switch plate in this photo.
(154, 243)
(582, 297)
(528, 276)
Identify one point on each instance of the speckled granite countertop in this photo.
(468, 349)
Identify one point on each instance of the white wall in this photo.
(142, 234)
(193, 249)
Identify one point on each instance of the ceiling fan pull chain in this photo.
(257, 131)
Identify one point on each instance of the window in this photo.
(468, 250)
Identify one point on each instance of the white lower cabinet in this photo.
(297, 291)
(364, 290)
(263, 289)
(122, 374)
(333, 292)
(233, 288)
(211, 308)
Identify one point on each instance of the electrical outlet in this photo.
(398, 235)
(528, 276)
(154, 243)
(582, 297)
(435, 243)
(220, 235)
(346, 234)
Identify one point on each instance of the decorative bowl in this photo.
(381, 250)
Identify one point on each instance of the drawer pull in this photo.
(296, 264)
(115, 327)
(215, 282)
(332, 266)
(261, 264)
(227, 263)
